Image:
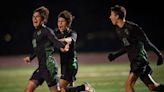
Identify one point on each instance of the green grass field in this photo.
(104, 77)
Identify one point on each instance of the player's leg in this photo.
(50, 72)
(31, 86)
(68, 75)
(71, 84)
(53, 88)
(67, 86)
(67, 79)
(34, 81)
(160, 88)
(63, 84)
(83, 87)
(130, 82)
(52, 81)
(149, 82)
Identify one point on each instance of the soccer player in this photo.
(68, 57)
(43, 41)
(134, 42)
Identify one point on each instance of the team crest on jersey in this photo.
(34, 43)
(39, 32)
(126, 32)
(126, 42)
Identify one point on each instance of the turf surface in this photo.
(108, 77)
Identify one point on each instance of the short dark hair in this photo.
(44, 12)
(119, 10)
(67, 16)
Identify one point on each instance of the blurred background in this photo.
(95, 31)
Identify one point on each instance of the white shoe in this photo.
(88, 87)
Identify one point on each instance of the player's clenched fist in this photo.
(27, 59)
(111, 57)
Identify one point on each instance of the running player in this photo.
(43, 41)
(134, 41)
(68, 57)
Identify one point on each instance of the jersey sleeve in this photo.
(120, 52)
(52, 37)
(143, 37)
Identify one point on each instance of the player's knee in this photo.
(129, 84)
(30, 87)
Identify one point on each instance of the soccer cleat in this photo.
(88, 87)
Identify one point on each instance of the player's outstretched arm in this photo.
(113, 56)
(156, 51)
